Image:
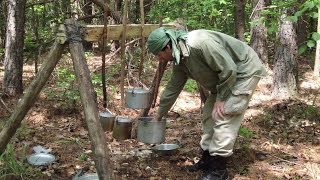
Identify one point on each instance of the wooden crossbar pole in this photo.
(94, 33)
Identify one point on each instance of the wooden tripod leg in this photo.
(87, 94)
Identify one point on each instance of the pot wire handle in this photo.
(137, 81)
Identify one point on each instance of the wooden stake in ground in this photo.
(103, 58)
(143, 50)
(30, 95)
(154, 89)
(123, 42)
(87, 94)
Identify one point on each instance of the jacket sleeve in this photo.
(220, 61)
(172, 90)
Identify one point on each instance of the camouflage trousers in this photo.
(219, 134)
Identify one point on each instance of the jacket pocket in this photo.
(237, 102)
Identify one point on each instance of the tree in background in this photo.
(285, 62)
(308, 12)
(2, 30)
(259, 34)
(239, 19)
(316, 71)
(13, 59)
(302, 27)
(88, 11)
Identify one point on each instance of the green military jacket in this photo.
(216, 61)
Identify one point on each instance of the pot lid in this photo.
(123, 119)
(138, 90)
(106, 114)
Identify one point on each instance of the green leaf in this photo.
(314, 15)
(298, 13)
(302, 49)
(272, 6)
(309, 4)
(315, 36)
(191, 86)
(222, 2)
(293, 18)
(311, 43)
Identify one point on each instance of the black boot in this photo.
(201, 164)
(217, 169)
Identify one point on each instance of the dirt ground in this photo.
(279, 139)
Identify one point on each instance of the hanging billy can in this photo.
(151, 131)
(122, 128)
(137, 98)
(107, 120)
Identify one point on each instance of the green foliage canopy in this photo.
(207, 14)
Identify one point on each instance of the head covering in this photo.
(160, 37)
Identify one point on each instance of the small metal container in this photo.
(122, 128)
(137, 98)
(166, 149)
(151, 131)
(107, 120)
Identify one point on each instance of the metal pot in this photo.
(107, 120)
(137, 98)
(151, 131)
(122, 128)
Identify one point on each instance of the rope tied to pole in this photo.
(75, 33)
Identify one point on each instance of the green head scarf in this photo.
(160, 37)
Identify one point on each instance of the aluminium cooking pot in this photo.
(122, 128)
(137, 98)
(151, 131)
(107, 120)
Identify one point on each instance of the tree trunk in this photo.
(66, 8)
(302, 29)
(29, 98)
(87, 12)
(35, 21)
(2, 26)
(116, 16)
(87, 94)
(75, 9)
(135, 8)
(240, 19)
(118, 4)
(285, 66)
(317, 58)
(147, 8)
(259, 31)
(13, 60)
